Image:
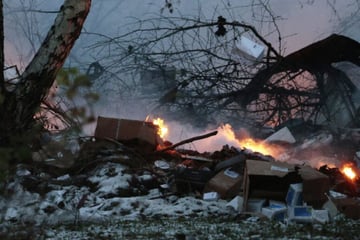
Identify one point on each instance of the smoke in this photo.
(178, 132)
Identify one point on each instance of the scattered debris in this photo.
(248, 49)
(282, 135)
(126, 169)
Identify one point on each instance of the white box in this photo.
(211, 196)
(255, 204)
(331, 208)
(294, 195)
(300, 213)
(275, 211)
(283, 135)
(321, 216)
(276, 204)
(236, 204)
(249, 49)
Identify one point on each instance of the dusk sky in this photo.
(300, 22)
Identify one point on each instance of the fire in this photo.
(250, 143)
(259, 146)
(349, 172)
(163, 129)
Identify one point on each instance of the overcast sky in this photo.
(303, 21)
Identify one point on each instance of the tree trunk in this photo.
(18, 106)
(1, 45)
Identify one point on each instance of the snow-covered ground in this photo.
(102, 208)
(62, 204)
(103, 199)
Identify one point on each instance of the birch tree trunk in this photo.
(18, 106)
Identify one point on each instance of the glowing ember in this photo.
(349, 172)
(163, 129)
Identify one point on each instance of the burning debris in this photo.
(349, 172)
(280, 177)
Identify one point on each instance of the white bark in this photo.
(57, 45)
(41, 72)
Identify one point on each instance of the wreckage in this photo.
(286, 176)
(296, 185)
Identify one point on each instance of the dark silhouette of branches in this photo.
(214, 82)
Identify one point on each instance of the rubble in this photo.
(116, 173)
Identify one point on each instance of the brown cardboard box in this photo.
(227, 185)
(315, 186)
(350, 207)
(271, 180)
(125, 129)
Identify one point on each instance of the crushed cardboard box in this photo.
(227, 183)
(271, 180)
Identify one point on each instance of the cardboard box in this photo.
(271, 180)
(316, 186)
(227, 183)
(125, 129)
(350, 207)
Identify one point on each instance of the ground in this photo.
(100, 209)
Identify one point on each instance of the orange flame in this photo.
(260, 146)
(349, 172)
(252, 144)
(163, 129)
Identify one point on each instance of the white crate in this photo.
(294, 195)
(300, 213)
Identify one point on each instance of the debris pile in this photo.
(126, 169)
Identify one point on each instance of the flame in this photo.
(250, 143)
(163, 129)
(259, 146)
(227, 131)
(348, 171)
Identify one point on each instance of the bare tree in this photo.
(213, 81)
(21, 100)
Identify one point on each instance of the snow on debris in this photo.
(61, 204)
(110, 178)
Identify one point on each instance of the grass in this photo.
(194, 228)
